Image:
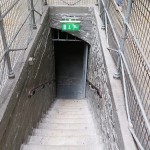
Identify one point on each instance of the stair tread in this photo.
(68, 113)
(81, 140)
(68, 120)
(68, 125)
(70, 109)
(67, 147)
(59, 132)
(49, 116)
(65, 126)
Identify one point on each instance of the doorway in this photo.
(70, 67)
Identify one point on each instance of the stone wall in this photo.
(26, 98)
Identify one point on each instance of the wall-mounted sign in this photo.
(70, 25)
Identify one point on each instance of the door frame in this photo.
(85, 67)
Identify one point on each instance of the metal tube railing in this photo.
(6, 18)
(126, 73)
(5, 45)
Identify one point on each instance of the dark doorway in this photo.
(70, 69)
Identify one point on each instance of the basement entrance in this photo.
(70, 65)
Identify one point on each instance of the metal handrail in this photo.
(123, 62)
(7, 47)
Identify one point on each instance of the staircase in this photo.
(68, 125)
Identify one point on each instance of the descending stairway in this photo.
(68, 125)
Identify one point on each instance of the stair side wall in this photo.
(31, 93)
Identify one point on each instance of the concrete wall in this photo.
(30, 94)
(102, 104)
(108, 103)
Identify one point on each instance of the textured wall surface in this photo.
(103, 107)
(33, 92)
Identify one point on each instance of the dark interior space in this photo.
(69, 65)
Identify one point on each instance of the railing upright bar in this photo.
(33, 15)
(11, 75)
(123, 37)
(44, 2)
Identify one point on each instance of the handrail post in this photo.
(44, 2)
(33, 15)
(123, 38)
(11, 75)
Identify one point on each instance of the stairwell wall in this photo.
(26, 98)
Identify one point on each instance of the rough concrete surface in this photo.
(26, 98)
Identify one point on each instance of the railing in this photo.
(18, 19)
(128, 38)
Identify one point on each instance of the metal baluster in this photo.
(11, 75)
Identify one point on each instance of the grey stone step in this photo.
(65, 126)
(55, 147)
(46, 132)
(81, 140)
(71, 102)
(58, 116)
(68, 125)
(68, 113)
(71, 108)
(62, 120)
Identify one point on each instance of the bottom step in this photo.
(44, 147)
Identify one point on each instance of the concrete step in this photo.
(77, 116)
(68, 125)
(55, 147)
(71, 109)
(71, 102)
(62, 120)
(68, 113)
(65, 126)
(46, 132)
(81, 140)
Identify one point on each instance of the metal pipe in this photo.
(125, 94)
(127, 107)
(9, 9)
(14, 37)
(86, 50)
(117, 74)
(33, 15)
(44, 2)
(111, 24)
(11, 75)
(136, 93)
(134, 38)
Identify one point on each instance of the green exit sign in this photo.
(70, 26)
